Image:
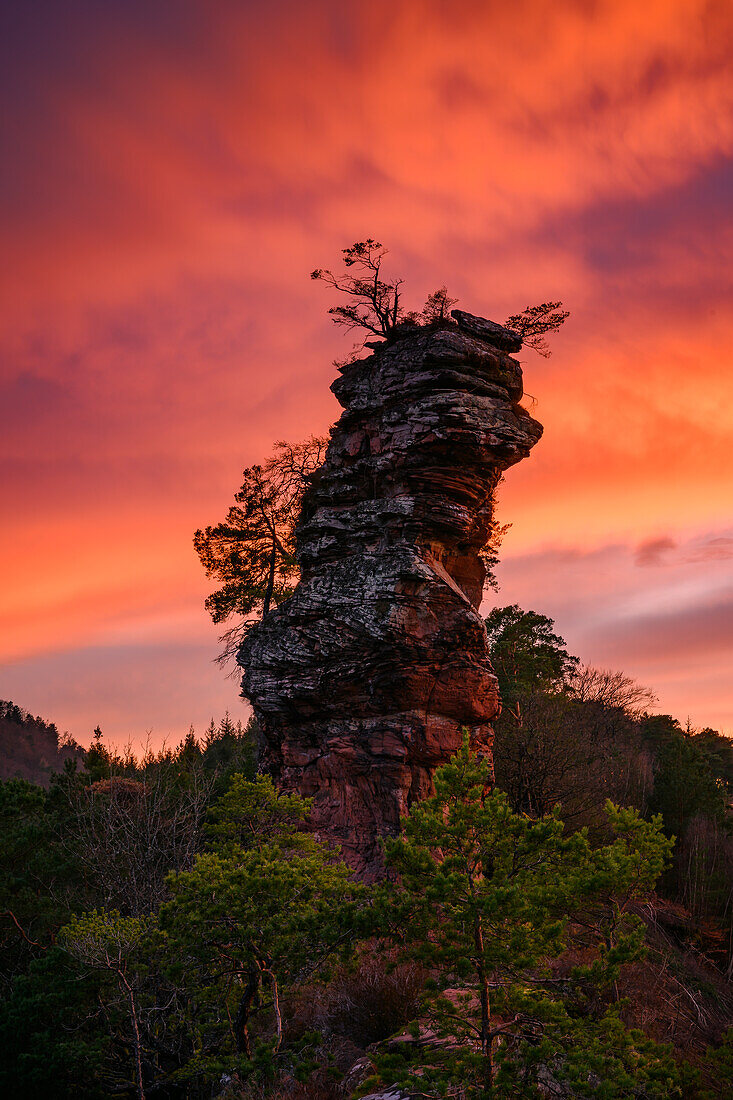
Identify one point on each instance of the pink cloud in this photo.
(653, 551)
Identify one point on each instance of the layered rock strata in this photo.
(363, 681)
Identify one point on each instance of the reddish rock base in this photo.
(364, 679)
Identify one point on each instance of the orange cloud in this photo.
(175, 170)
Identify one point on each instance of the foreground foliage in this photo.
(487, 898)
(257, 916)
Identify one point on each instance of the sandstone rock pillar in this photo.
(364, 679)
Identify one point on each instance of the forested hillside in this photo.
(31, 748)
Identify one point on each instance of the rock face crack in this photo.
(363, 681)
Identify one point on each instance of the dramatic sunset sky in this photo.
(172, 171)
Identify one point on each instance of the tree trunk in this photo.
(270, 580)
(136, 1033)
(486, 1037)
(241, 1032)
(276, 1006)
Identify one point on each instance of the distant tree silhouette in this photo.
(611, 689)
(32, 748)
(252, 553)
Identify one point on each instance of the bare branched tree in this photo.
(611, 689)
(129, 833)
(374, 303)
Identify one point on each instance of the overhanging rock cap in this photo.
(499, 337)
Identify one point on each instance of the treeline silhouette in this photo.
(31, 748)
(171, 927)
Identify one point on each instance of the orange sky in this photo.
(172, 172)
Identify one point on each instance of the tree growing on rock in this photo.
(437, 307)
(535, 322)
(372, 303)
(375, 304)
(252, 553)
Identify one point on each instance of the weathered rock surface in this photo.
(364, 679)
